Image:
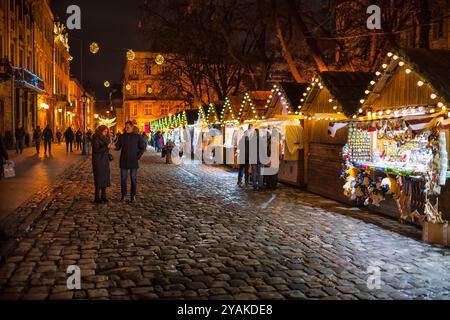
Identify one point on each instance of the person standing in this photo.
(101, 144)
(58, 136)
(20, 138)
(79, 139)
(37, 138)
(47, 135)
(145, 138)
(3, 156)
(69, 136)
(244, 157)
(132, 148)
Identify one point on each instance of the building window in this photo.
(439, 26)
(135, 110)
(134, 70)
(164, 110)
(148, 110)
(134, 91)
(148, 70)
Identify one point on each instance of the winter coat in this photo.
(69, 135)
(47, 134)
(79, 135)
(37, 135)
(20, 133)
(132, 147)
(100, 161)
(3, 152)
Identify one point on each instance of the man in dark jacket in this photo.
(37, 138)
(3, 155)
(132, 147)
(69, 136)
(244, 157)
(20, 139)
(47, 136)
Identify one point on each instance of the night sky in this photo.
(114, 26)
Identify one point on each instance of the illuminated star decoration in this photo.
(128, 87)
(149, 90)
(159, 59)
(106, 84)
(108, 122)
(131, 55)
(94, 48)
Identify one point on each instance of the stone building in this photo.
(146, 97)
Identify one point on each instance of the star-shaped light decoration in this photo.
(94, 48)
(131, 55)
(159, 59)
(106, 84)
(108, 122)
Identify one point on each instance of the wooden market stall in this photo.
(331, 96)
(396, 154)
(230, 126)
(282, 113)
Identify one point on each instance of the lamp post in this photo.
(84, 100)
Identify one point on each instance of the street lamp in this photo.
(84, 99)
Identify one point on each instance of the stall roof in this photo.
(292, 92)
(192, 116)
(259, 100)
(432, 65)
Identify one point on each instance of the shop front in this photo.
(282, 113)
(396, 153)
(331, 96)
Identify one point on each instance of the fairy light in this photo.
(408, 71)
(420, 83)
(433, 96)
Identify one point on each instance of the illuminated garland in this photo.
(228, 109)
(247, 104)
(393, 61)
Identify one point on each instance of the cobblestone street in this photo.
(193, 234)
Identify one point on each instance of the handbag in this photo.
(8, 170)
(110, 157)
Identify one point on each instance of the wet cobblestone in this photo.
(193, 234)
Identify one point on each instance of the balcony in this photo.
(6, 70)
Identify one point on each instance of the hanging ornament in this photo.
(106, 84)
(149, 90)
(159, 59)
(94, 48)
(128, 87)
(131, 55)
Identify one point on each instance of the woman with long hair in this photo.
(101, 144)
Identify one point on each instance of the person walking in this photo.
(47, 135)
(58, 136)
(69, 136)
(88, 142)
(20, 138)
(37, 138)
(79, 139)
(101, 144)
(145, 138)
(3, 156)
(257, 177)
(132, 148)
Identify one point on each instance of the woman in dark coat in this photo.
(101, 144)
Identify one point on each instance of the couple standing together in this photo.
(131, 147)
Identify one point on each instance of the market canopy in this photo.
(335, 92)
(285, 99)
(254, 106)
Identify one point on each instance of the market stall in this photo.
(396, 153)
(230, 126)
(282, 113)
(330, 96)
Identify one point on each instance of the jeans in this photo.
(47, 144)
(19, 145)
(88, 148)
(243, 170)
(69, 143)
(124, 178)
(257, 177)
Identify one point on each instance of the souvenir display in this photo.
(386, 158)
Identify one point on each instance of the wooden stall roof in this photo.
(259, 101)
(292, 92)
(230, 111)
(394, 87)
(192, 116)
(214, 113)
(348, 88)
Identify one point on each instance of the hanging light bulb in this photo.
(420, 83)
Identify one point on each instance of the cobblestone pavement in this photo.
(195, 235)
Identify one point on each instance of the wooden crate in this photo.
(436, 233)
